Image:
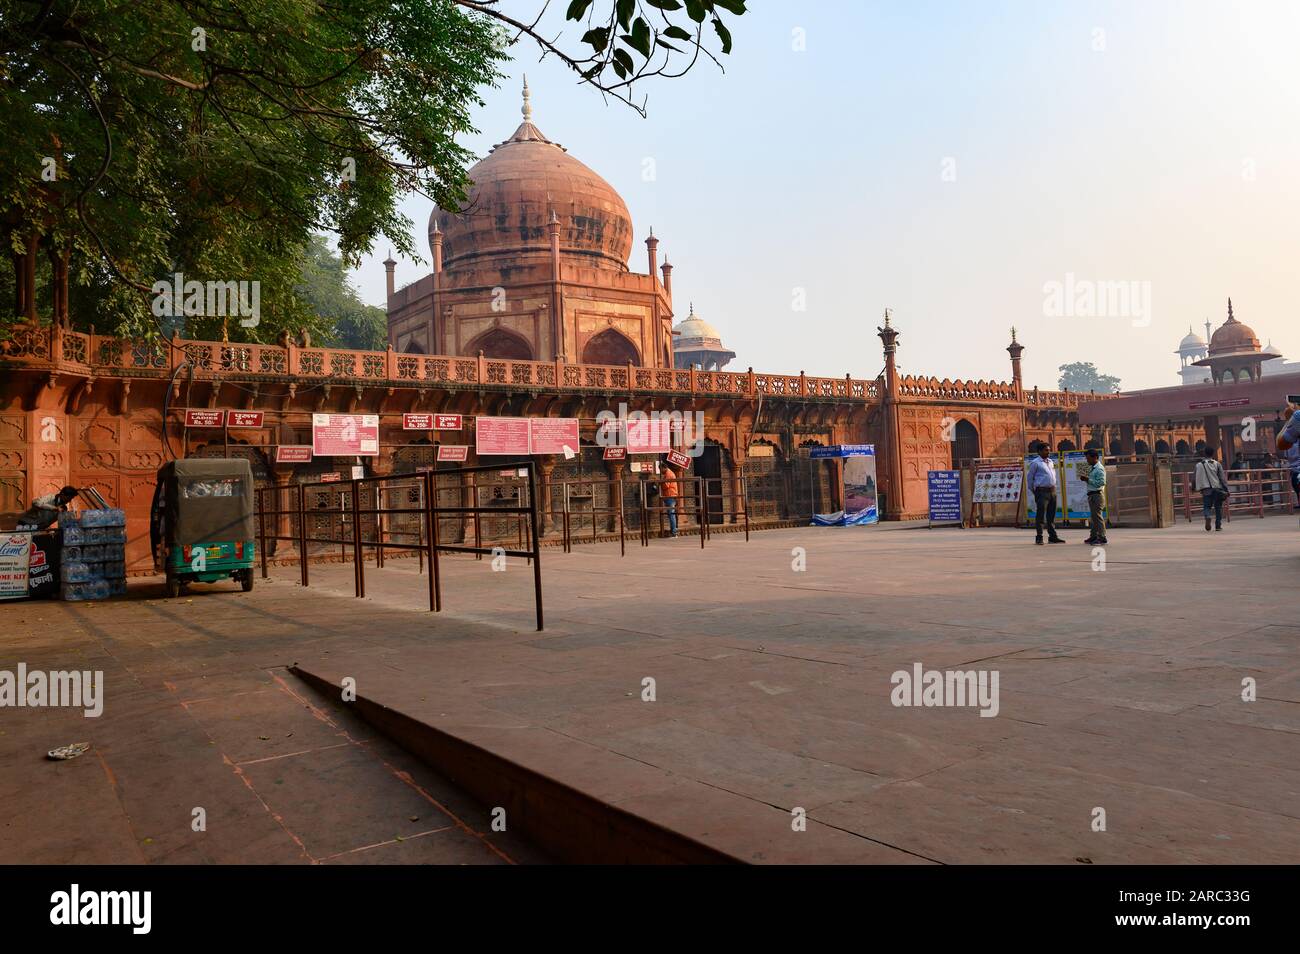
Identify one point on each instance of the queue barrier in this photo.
(365, 506)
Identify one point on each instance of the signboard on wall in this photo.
(615, 453)
(293, 454)
(345, 435)
(1074, 464)
(432, 422)
(195, 417)
(648, 436)
(245, 418)
(502, 436)
(553, 435)
(458, 453)
(678, 459)
(945, 496)
(448, 422)
(521, 436)
(997, 483)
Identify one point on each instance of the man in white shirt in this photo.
(1042, 483)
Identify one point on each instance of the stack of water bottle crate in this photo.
(93, 560)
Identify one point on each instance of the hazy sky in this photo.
(949, 160)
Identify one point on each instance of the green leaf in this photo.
(598, 39)
(731, 6)
(577, 9)
(625, 9)
(666, 45)
(623, 59)
(677, 33)
(664, 4)
(620, 69)
(695, 10)
(724, 35)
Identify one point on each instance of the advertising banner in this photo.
(945, 496)
(502, 436)
(15, 550)
(998, 483)
(345, 435)
(859, 488)
(1075, 491)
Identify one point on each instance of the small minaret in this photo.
(389, 265)
(553, 231)
(667, 269)
(435, 245)
(1015, 349)
(527, 108)
(652, 252)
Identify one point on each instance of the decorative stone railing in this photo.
(44, 345)
(1063, 399)
(910, 386)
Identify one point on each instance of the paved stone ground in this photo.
(1119, 689)
(199, 712)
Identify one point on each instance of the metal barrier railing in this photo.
(739, 506)
(696, 497)
(427, 510)
(579, 489)
(1253, 492)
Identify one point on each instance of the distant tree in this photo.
(343, 318)
(1084, 376)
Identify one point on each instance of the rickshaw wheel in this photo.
(246, 580)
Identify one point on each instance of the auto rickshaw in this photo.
(201, 522)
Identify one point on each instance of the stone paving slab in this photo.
(1118, 689)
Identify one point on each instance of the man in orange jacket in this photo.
(668, 490)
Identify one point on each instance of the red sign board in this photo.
(245, 419)
(615, 453)
(678, 459)
(1229, 402)
(432, 422)
(345, 435)
(293, 454)
(498, 436)
(197, 418)
(330, 478)
(453, 452)
(554, 435)
(648, 437)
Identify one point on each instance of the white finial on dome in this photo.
(527, 109)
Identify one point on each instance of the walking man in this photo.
(1096, 481)
(1042, 481)
(668, 490)
(1212, 482)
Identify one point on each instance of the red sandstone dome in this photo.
(1233, 338)
(516, 187)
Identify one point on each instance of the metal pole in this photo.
(537, 555)
(359, 570)
(622, 534)
(302, 535)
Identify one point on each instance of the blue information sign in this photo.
(945, 496)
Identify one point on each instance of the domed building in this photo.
(1234, 353)
(534, 267)
(1190, 350)
(698, 345)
